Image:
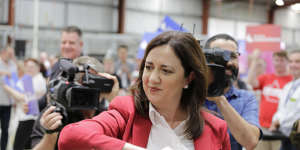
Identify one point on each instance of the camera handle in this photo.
(86, 71)
(59, 109)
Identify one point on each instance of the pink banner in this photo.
(265, 38)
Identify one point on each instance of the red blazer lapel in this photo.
(141, 131)
(204, 141)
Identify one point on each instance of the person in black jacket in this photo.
(50, 120)
(71, 48)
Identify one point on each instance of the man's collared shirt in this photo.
(289, 107)
(245, 103)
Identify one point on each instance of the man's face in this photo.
(294, 64)
(10, 52)
(122, 53)
(280, 64)
(232, 65)
(71, 45)
(32, 68)
(7, 54)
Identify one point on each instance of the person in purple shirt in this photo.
(237, 107)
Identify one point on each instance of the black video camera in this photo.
(217, 61)
(70, 96)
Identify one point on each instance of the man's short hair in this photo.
(123, 46)
(294, 51)
(282, 54)
(73, 29)
(91, 61)
(219, 36)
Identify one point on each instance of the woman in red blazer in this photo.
(165, 109)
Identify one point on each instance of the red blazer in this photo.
(111, 129)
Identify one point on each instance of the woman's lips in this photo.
(153, 90)
(228, 72)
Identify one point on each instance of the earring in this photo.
(186, 86)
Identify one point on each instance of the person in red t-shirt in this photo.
(271, 86)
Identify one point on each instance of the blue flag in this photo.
(147, 37)
(12, 80)
(168, 24)
(33, 107)
(28, 85)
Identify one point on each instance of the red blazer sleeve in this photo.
(226, 141)
(103, 132)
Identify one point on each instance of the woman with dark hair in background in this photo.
(30, 87)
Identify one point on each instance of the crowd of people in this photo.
(160, 103)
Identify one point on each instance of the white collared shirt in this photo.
(39, 86)
(163, 137)
(288, 110)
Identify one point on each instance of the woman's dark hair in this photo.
(188, 50)
(43, 69)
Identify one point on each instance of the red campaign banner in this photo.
(263, 37)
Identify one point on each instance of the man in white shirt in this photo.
(124, 67)
(288, 110)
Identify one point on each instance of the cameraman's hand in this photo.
(274, 126)
(216, 98)
(51, 120)
(298, 127)
(115, 90)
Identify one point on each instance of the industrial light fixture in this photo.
(279, 2)
(296, 7)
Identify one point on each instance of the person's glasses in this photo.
(235, 55)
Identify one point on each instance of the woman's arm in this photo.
(20, 97)
(101, 132)
(226, 141)
(47, 143)
(244, 132)
(104, 131)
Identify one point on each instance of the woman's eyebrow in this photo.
(167, 66)
(148, 62)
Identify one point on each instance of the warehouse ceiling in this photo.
(267, 3)
(262, 2)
